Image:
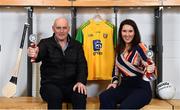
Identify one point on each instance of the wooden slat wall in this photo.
(57, 3)
(21, 2)
(80, 3)
(116, 3)
(171, 3)
(35, 3)
(90, 3)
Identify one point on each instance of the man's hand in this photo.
(33, 52)
(81, 88)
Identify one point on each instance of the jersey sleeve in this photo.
(116, 75)
(79, 36)
(142, 50)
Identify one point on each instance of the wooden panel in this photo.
(171, 2)
(157, 104)
(27, 103)
(82, 3)
(92, 103)
(175, 103)
(35, 3)
(57, 3)
(20, 2)
(21, 103)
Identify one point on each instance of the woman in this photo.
(132, 65)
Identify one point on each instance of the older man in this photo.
(63, 68)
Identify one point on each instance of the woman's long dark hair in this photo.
(136, 40)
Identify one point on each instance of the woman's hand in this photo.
(112, 85)
(151, 68)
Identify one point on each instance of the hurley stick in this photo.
(9, 89)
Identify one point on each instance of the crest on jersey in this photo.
(105, 35)
(97, 45)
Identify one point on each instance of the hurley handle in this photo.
(149, 76)
(26, 25)
(32, 39)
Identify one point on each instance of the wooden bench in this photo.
(24, 103)
(175, 103)
(157, 104)
(92, 103)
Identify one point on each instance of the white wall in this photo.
(11, 25)
(171, 45)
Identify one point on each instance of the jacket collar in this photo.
(69, 39)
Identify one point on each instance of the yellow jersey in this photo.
(99, 41)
